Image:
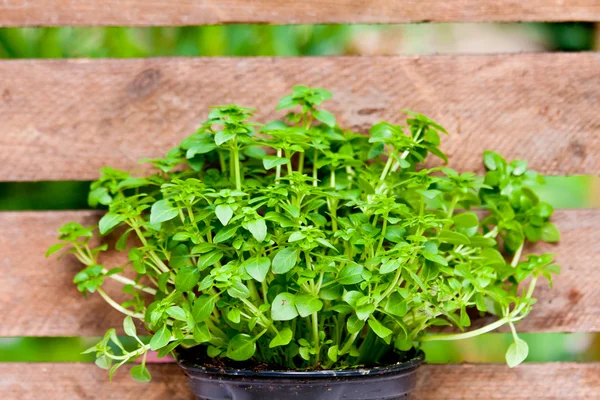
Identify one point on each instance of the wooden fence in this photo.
(62, 120)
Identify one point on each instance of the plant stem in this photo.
(392, 286)
(451, 210)
(278, 168)
(222, 162)
(527, 295)
(314, 173)
(127, 281)
(384, 227)
(491, 233)
(289, 163)
(268, 323)
(315, 332)
(265, 290)
(236, 164)
(394, 168)
(517, 256)
(349, 343)
(467, 335)
(387, 167)
(117, 306)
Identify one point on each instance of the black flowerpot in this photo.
(381, 383)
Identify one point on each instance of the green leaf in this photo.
(201, 333)
(395, 233)
(436, 258)
(224, 213)
(270, 162)
(103, 362)
(258, 229)
(54, 248)
(550, 233)
(464, 318)
(304, 353)
(396, 305)
(203, 308)
(331, 292)
(121, 244)
(489, 159)
(466, 223)
(390, 266)
(238, 290)
(213, 351)
(553, 269)
(109, 221)
(257, 268)
(520, 167)
(209, 259)
(379, 329)
(452, 237)
(286, 102)
(140, 373)
(325, 117)
(326, 243)
(365, 310)
(284, 260)
(180, 256)
(225, 233)
(306, 304)
(241, 347)
(403, 343)
(201, 147)
(354, 324)
(187, 278)
(223, 136)
(160, 339)
(99, 196)
(283, 307)
(234, 315)
(351, 274)
(296, 236)
(517, 352)
(430, 194)
(162, 211)
(129, 327)
(282, 220)
(283, 338)
(177, 313)
(332, 353)
(291, 209)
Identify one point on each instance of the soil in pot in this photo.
(211, 379)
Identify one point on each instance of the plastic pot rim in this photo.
(404, 366)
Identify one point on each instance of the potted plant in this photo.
(300, 258)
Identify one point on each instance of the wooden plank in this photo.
(37, 297)
(549, 381)
(181, 12)
(65, 119)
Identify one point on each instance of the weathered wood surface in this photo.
(550, 381)
(38, 298)
(185, 12)
(65, 119)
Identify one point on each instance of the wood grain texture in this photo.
(550, 381)
(38, 298)
(66, 119)
(188, 12)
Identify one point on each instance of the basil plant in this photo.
(303, 245)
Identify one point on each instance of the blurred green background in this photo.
(293, 40)
(301, 40)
